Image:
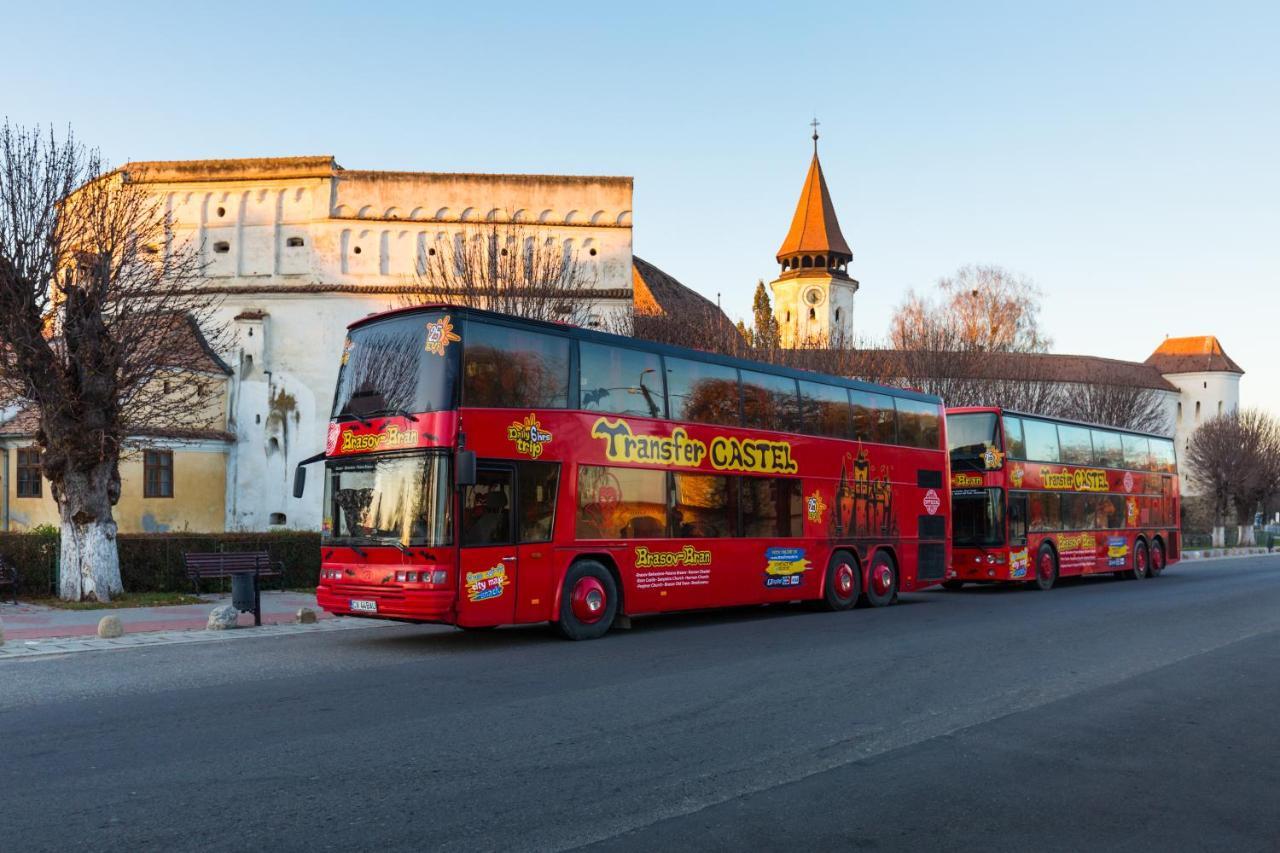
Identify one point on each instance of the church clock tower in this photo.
(813, 297)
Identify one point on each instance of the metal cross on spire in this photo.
(814, 124)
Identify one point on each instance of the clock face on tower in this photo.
(813, 296)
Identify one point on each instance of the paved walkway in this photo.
(35, 622)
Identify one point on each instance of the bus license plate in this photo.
(364, 606)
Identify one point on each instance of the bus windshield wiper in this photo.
(400, 413)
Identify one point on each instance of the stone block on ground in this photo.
(110, 627)
(306, 616)
(222, 617)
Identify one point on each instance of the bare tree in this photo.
(1235, 459)
(96, 299)
(982, 307)
(1109, 401)
(511, 268)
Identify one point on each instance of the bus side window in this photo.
(537, 485)
(1018, 520)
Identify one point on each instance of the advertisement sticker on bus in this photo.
(785, 567)
(1018, 563)
(487, 584)
(439, 335)
(528, 436)
(1117, 551)
(932, 501)
(964, 480)
(815, 507)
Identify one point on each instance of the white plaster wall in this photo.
(1203, 396)
(788, 298)
(286, 362)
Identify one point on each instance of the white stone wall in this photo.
(298, 259)
(832, 315)
(1203, 396)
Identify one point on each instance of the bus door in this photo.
(487, 556)
(1020, 561)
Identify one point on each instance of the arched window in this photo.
(806, 261)
(812, 314)
(820, 261)
(837, 315)
(788, 316)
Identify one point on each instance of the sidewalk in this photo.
(1218, 553)
(35, 622)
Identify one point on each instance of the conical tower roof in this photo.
(814, 228)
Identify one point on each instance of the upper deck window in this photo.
(769, 401)
(1042, 440)
(1076, 447)
(918, 423)
(874, 417)
(620, 381)
(387, 367)
(1137, 452)
(703, 392)
(1107, 450)
(969, 435)
(512, 368)
(825, 409)
(1015, 444)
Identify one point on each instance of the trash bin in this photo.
(242, 596)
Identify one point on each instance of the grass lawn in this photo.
(128, 599)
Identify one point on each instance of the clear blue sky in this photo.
(1125, 156)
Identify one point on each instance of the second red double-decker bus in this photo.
(485, 470)
(1034, 499)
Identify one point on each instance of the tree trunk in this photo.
(90, 562)
(1245, 536)
(1219, 536)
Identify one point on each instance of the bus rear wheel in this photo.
(1046, 568)
(1157, 558)
(588, 601)
(882, 581)
(841, 584)
(1140, 562)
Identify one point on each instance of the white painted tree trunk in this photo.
(90, 564)
(1219, 536)
(1245, 536)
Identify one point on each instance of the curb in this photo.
(1223, 553)
(67, 645)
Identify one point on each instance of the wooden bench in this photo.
(9, 577)
(226, 564)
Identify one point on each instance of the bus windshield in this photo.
(977, 516)
(969, 436)
(386, 500)
(398, 366)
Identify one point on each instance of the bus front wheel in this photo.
(882, 581)
(1046, 568)
(588, 601)
(841, 584)
(1140, 562)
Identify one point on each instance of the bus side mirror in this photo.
(299, 481)
(464, 468)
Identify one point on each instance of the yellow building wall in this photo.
(198, 504)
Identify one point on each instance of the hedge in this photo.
(152, 562)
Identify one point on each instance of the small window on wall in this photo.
(621, 381)
(769, 402)
(157, 474)
(918, 424)
(703, 505)
(703, 392)
(873, 417)
(29, 484)
(771, 507)
(621, 503)
(510, 368)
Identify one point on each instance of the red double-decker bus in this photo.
(1034, 499)
(484, 470)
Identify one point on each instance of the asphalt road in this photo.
(1102, 715)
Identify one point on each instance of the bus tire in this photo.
(953, 585)
(1141, 562)
(882, 581)
(1157, 558)
(1046, 568)
(588, 601)
(840, 587)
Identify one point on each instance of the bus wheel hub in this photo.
(844, 579)
(883, 579)
(589, 600)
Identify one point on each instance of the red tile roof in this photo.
(814, 228)
(1199, 354)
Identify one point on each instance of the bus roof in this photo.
(964, 410)
(609, 339)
